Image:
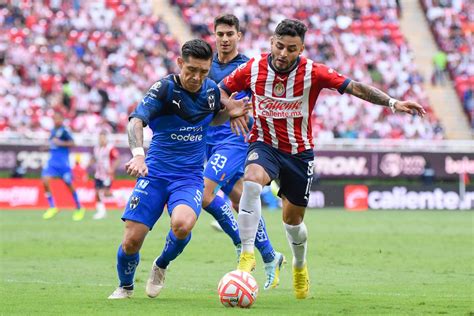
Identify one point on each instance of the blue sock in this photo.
(222, 212)
(76, 199)
(263, 244)
(126, 265)
(173, 248)
(49, 196)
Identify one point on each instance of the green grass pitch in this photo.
(377, 262)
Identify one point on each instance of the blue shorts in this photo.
(294, 172)
(101, 184)
(63, 172)
(225, 165)
(150, 196)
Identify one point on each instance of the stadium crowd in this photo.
(452, 23)
(361, 39)
(93, 60)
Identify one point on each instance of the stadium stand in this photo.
(93, 60)
(362, 39)
(452, 24)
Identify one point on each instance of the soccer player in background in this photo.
(178, 109)
(226, 154)
(285, 87)
(58, 167)
(105, 159)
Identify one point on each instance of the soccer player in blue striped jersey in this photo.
(58, 166)
(226, 153)
(179, 109)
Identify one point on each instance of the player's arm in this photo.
(375, 96)
(148, 109)
(114, 157)
(236, 112)
(65, 139)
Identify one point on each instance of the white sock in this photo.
(250, 210)
(297, 238)
(100, 208)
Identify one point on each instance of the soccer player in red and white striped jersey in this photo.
(285, 87)
(106, 161)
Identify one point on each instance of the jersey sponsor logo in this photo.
(134, 200)
(281, 108)
(279, 89)
(178, 103)
(211, 100)
(191, 135)
(355, 197)
(142, 183)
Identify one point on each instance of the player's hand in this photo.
(236, 108)
(239, 125)
(57, 141)
(136, 167)
(410, 107)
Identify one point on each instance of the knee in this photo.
(181, 229)
(252, 188)
(292, 219)
(131, 245)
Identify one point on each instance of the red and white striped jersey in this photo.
(283, 102)
(104, 157)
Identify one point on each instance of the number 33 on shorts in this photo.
(218, 162)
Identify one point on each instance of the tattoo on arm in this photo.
(135, 133)
(367, 93)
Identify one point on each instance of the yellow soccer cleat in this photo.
(50, 213)
(301, 281)
(247, 262)
(78, 215)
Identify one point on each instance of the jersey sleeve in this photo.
(153, 102)
(66, 135)
(329, 78)
(218, 106)
(239, 79)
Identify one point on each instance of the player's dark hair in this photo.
(227, 19)
(291, 28)
(196, 48)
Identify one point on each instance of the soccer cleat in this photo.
(120, 293)
(78, 215)
(301, 281)
(272, 271)
(50, 213)
(247, 262)
(99, 215)
(216, 226)
(156, 281)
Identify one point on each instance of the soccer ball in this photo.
(237, 288)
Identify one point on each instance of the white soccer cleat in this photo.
(99, 215)
(156, 281)
(120, 293)
(216, 226)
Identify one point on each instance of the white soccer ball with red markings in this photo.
(237, 288)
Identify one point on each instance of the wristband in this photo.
(391, 104)
(139, 151)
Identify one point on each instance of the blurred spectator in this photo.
(440, 61)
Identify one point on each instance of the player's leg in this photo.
(99, 204)
(52, 210)
(66, 176)
(261, 167)
(143, 209)
(184, 206)
(128, 257)
(295, 183)
(272, 259)
(220, 210)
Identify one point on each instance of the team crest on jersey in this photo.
(253, 156)
(134, 200)
(279, 89)
(211, 99)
